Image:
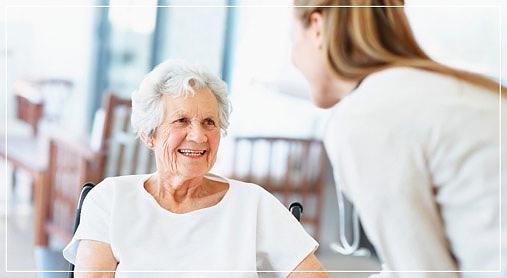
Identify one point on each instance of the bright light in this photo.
(133, 15)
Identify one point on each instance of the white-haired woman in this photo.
(182, 218)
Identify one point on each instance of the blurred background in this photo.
(69, 68)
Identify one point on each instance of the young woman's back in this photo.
(418, 154)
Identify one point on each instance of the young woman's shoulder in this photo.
(402, 97)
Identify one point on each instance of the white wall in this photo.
(464, 34)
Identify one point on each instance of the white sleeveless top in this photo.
(249, 230)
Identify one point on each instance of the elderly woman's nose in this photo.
(197, 134)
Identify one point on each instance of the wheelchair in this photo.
(295, 208)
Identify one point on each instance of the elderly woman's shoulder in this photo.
(109, 184)
(249, 188)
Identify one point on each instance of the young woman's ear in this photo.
(148, 141)
(316, 27)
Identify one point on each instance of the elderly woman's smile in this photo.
(192, 153)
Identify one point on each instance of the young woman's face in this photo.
(186, 143)
(309, 56)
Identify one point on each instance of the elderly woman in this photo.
(182, 218)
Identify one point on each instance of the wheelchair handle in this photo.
(296, 209)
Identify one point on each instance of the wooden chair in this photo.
(28, 152)
(291, 169)
(126, 155)
(30, 99)
(73, 162)
(29, 112)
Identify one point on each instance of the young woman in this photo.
(414, 144)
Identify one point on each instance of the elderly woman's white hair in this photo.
(177, 78)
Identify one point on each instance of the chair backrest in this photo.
(32, 96)
(73, 162)
(126, 155)
(291, 169)
(29, 104)
(29, 112)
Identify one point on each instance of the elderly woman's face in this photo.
(186, 143)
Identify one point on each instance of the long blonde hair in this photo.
(363, 40)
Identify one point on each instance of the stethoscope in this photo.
(344, 247)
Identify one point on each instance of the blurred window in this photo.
(465, 34)
(268, 93)
(130, 43)
(194, 31)
(144, 33)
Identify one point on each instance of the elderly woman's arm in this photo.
(310, 263)
(92, 256)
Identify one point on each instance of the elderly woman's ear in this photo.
(147, 140)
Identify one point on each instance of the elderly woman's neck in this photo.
(177, 188)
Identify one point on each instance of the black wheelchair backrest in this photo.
(86, 189)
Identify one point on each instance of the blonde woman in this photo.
(413, 143)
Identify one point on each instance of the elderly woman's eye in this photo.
(181, 121)
(209, 122)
